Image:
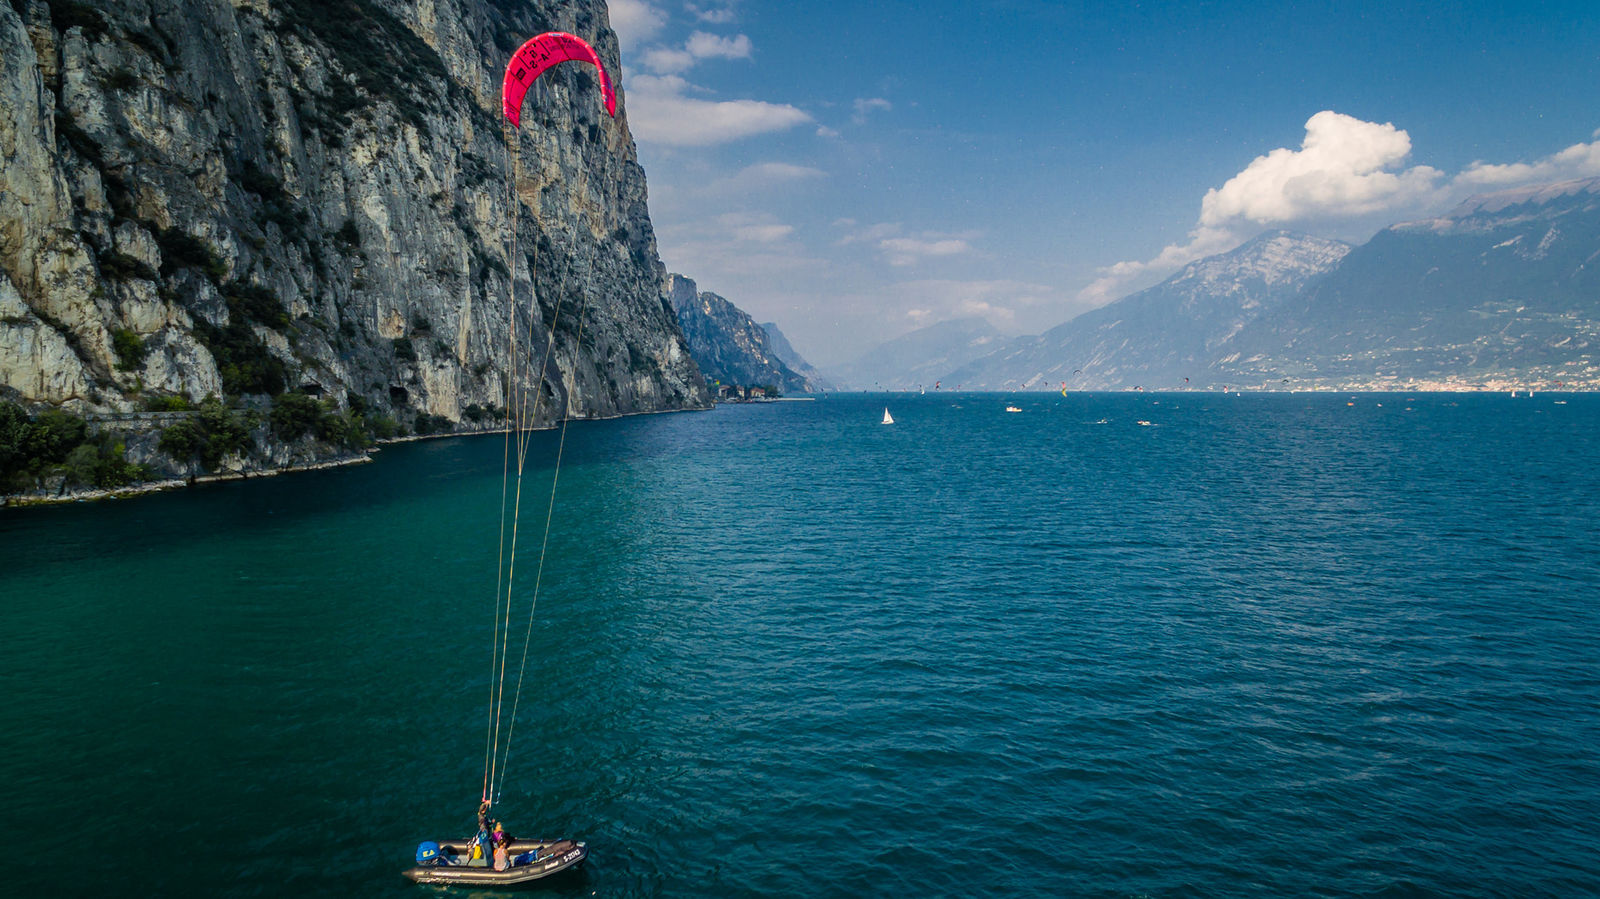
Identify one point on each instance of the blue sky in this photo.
(855, 170)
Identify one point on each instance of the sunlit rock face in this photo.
(327, 184)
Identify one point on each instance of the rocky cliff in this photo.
(252, 197)
(726, 342)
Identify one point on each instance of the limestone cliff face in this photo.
(727, 343)
(247, 196)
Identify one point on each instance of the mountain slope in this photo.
(787, 354)
(1506, 287)
(924, 356)
(1159, 336)
(726, 342)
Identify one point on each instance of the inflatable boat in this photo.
(447, 862)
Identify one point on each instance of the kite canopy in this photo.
(540, 53)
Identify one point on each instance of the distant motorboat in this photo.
(1012, 409)
(887, 418)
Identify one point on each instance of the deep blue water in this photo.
(1265, 646)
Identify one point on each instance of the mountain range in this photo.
(1503, 290)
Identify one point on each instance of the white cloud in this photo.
(667, 60)
(1000, 301)
(711, 46)
(762, 233)
(870, 234)
(750, 227)
(701, 45)
(910, 250)
(1576, 161)
(1341, 170)
(864, 106)
(1345, 169)
(901, 249)
(659, 112)
(1114, 279)
(716, 14)
(635, 21)
(764, 175)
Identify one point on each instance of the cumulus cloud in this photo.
(1342, 169)
(1345, 170)
(703, 45)
(635, 21)
(660, 111)
(700, 45)
(668, 60)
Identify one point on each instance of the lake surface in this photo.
(1264, 646)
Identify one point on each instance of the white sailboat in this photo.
(887, 418)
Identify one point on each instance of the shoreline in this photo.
(17, 501)
(133, 490)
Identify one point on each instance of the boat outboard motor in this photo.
(429, 853)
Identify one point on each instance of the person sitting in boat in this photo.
(501, 839)
(502, 856)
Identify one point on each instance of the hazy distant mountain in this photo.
(924, 356)
(1159, 336)
(786, 353)
(1504, 288)
(726, 342)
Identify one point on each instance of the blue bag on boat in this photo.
(428, 853)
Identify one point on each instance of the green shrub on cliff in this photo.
(294, 415)
(101, 463)
(215, 432)
(245, 363)
(179, 251)
(57, 444)
(130, 349)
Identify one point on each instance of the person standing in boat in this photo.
(478, 853)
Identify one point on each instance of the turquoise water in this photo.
(1265, 646)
